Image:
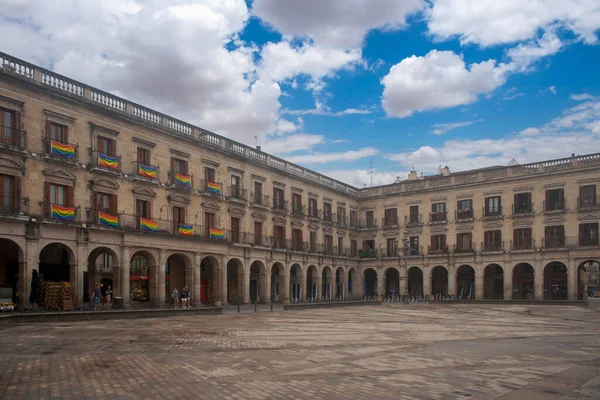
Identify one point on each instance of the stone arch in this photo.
(296, 288)
(555, 281)
(439, 280)
(57, 262)
(352, 281)
(523, 282)
(178, 274)
(103, 264)
(370, 282)
(588, 278)
(340, 286)
(392, 282)
(465, 282)
(210, 280)
(415, 281)
(277, 274)
(493, 282)
(327, 280)
(312, 283)
(258, 281)
(235, 282)
(12, 272)
(142, 276)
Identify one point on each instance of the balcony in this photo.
(588, 241)
(391, 252)
(464, 248)
(146, 171)
(492, 247)
(414, 251)
(298, 211)
(491, 212)
(438, 216)
(12, 139)
(353, 223)
(60, 213)
(257, 240)
(329, 250)
(367, 224)
(553, 243)
(181, 181)
(313, 248)
(586, 203)
(237, 193)
(104, 163)
(314, 214)
(390, 222)
(65, 152)
(522, 245)
(14, 206)
(522, 209)
(328, 218)
(164, 226)
(212, 188)
(280, 243)
(463, 215)
(554, 206)
(297, 245)
(370, 253)
(280, 206)
(342, 221)
(104, 220)
(413, 220)
(259, 200)
(437, 251)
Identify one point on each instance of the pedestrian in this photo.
(108, 297)
(175, 297)
(185, 297)
(97, 296)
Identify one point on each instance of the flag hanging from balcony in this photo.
(183, 180)
(185, 230)
(62, 149)
(105, 161)
(147, 171)
(216, 233)
(108, 220)
(148, 225)
(212, 187)
(62, 213)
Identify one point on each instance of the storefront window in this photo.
(139, 278)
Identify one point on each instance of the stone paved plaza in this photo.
(368, 352)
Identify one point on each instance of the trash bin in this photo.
(117, 303)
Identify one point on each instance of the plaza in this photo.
(423, 351)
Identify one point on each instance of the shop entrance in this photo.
(465, 282)
(370, 282)
(493, 282)
(10, 256)
(351, 280)
(523, 282)
(174, 276)
(101, 267)
(234, 291)
(439, 281)
(555, 281)
(415, 281)
(139, 277)
(392, 282)
(257, 271)
(207, 279)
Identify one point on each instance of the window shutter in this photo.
(113, 204)
(66, 134)
(70, 196)
(48, 128)
(172, 164)
(17, 129)
(16, 193)
(458, 241)
(112, 150)
(99, 144)
(140, 152)
(46, 198)
(185, 167)
(149, 209)
(95, 203)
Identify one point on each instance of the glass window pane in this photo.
(61, 196)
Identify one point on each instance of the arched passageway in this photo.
(370, 282)
(555, 281)
(523, 282)
(588, 279)
(326, 283)
(465, 282)
(312, 283)
(258, 289)
(340, 287)
(10, 257)
(392, 282)
(141, 279)
(210, 290)
(57, 263)
(234, 282)
(296, 283)
(175, 276)
(351, 281)
(415, 281)
(493, 282)
(102, 264)
(439, 280)
(277, 272)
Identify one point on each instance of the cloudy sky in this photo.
(335, 84)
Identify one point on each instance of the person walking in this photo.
(97, 296)
(175, 297)
(108, 297)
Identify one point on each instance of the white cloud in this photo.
(581, 97)
(492, 22)
(552, 89)
(346, 156)
(530, 132)
(440, 129)
(335, 23)
(439, 79)
(322, 110)
(362, 177)
(295, 142)
(525, 55)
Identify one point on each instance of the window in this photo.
(353, 218)
(370, 219)
(209, 222)
(353, 248)
(369, 247)
(106, 146)
(587, 196)
(8, 126)
(492, 240)
(312, 208)
(464, 209)
(391, 247)
(60, 195)
(588, 234)
(327, 211)
(10, 193)
(464, 242)
(209, 174)
(522, 203)
(340, 245)
(555, 199)
(297, 239)
(179, 166)
(438, 243)
(258, 191)
(178, 217)
(143, 156)
(391, 217)
(414, 214)
(59, 132)
(313, 242)
(236, 186)
(257, 233)
(328, 244)
(235, 230)
(106, 203)
(279, 237)
(278, 199)
(493, 206)
(414, 245)
(341, 214)
(438, 212)
(143, 209)
(554, 236)
(297, 203)
(522, 239)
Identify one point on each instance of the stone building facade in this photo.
(97, 189)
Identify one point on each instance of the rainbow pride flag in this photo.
(216, 233)
(185, 230)
(212, 187)
(62, 213)
(148, 225)
(105, 161)
(108, 220)
(147, 171)
(62, 149)
(183, 180)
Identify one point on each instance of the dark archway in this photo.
(340, 289)
(465, 282)
(439, 280)
(258, 289)
(351, 281)
(326, 283)
(56, 262)
(175, 276)
(493, 282)
(235, 288)
(555, 281)
(415, 281)
(523, 282)
(312, 283)
(392, 282)
(140, 277)
(588, 278)
(210, 290)
(370, 282)
(295, 283)
(10, 257)
(102, 262)
(277, 272)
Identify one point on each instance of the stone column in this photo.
(452, 280)
(243, 286)
(538, 280)
(403, 284)
(262, 288)
(572, 279)
(303, 287)
(196, 294)
(479, 282)
(331, 287)
(427, 281)
(125, 266)
(267, 285)
(217, 287)
(190, 282)
(81, 266)
(160, 279)
(32, 261)
(224, 282)
(286, 287)
(508, 281)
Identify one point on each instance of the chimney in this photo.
(412, 175)
(258, 147)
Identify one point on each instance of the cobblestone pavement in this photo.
(367, 352)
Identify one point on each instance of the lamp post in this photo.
(406, 249)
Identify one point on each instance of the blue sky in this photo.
(334, 85)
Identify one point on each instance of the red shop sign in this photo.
(139, 278)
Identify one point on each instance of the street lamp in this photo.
(406, 250)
